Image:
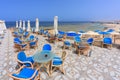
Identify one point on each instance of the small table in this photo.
(44, 59)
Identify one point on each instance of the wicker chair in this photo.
(58, 63)
(83, 50)
(107, 41)
(67, 44)
(22, 59)
(24, 73)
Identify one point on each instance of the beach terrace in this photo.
(84, 44)
(101, 64)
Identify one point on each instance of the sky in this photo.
(66, 10)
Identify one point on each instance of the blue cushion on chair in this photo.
(77, 39)
(57, 61)
(47, 47)
(60, 36)
(56, 57)
(23, 45)
(30, 59)
(32, 43)
(90, 41)
(67, 43)
(25, 73)
(17, 40)
(107, 40)
(31, 37)
(21, 56)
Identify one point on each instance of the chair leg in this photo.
(63, 46)
(62, 69)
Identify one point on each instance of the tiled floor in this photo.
(104, 64)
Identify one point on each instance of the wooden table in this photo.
(47, 67)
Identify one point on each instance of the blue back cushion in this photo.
(77, 39)
(32, 37)
(26, 33)
(90, 40)
(67, 43)
(60, 36)
(21, 56)
(57, 61)
(107, 40)
(32, 43)
(17, 40)
(47, 47)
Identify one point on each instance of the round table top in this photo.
(43, 56)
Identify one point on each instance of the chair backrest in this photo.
(77, 39)
(26, 33)
(67, 43)
(47, 47)
(107, 40)
(64, 55)
(32, 43)
(60, 36)
(90, 40)
(21, 56)
(32, 37)
(17, 40)
(45, 32)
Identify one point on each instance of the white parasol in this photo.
(56, 24)
(28, 28)
(23, 25)
(37, 25)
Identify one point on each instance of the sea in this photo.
(64, 25)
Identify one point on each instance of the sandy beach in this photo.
(102, 65)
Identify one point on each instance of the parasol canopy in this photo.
(104, 33)
(71, 34)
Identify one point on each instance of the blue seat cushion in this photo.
(30, 59)
(60, 36)
(57, 61)
(107, 41)
(67, 43)
(25, 73)
(32, 43)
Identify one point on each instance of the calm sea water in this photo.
(66, 26)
